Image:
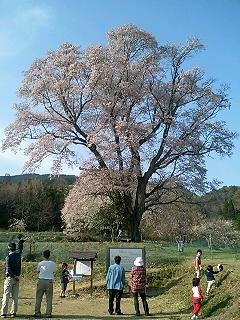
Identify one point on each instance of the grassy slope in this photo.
(169, 278)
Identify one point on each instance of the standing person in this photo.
(197, 263)
(115, 284)
(209, 273)
(197, 297)
(138, 285)
(65, 275)
(46, 270)
(119, 231)
(11, 283)
(180, 244)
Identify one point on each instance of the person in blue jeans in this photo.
(115, 284)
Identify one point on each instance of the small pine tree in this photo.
(231, 210)
(237, 219)
(225, 211)
(228, 212)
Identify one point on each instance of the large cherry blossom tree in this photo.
(146, 120)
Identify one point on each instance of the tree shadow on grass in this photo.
(157, 291)
(218, 284)
(223, 278)
(217, 306)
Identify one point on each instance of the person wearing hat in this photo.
(11, 283)
(115, 284)
(138, 285)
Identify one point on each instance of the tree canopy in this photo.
(133, 105)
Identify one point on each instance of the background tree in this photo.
(216, 201)
(91, 209)
(171, 222)
(133, 106)
(16, 225)
(231, 210)
(34, 203)
(228, 210)
(7, 203)
(221, 232)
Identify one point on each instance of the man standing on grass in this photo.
(115, 284)
(11, 283)
(46, 270)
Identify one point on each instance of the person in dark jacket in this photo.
(11, 283)
(138, 285)
(209, 273)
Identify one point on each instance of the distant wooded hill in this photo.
(215, 201)
(66, 179)
(41, 197)
(33, 201)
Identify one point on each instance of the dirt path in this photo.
(87, 307)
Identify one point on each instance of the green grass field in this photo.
(169, 281)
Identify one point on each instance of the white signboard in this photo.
(128, 255)
(83, 268)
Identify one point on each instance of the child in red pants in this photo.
(196, 297)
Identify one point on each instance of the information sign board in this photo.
(128, 255)
(83, 268)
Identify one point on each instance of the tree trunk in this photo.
(137, 212)
(135, 227)
(113, 234)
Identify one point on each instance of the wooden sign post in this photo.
(83, 266)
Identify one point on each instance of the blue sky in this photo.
(31, 28)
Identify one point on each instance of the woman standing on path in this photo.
(138, 285)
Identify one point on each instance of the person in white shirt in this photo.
(46, 270)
